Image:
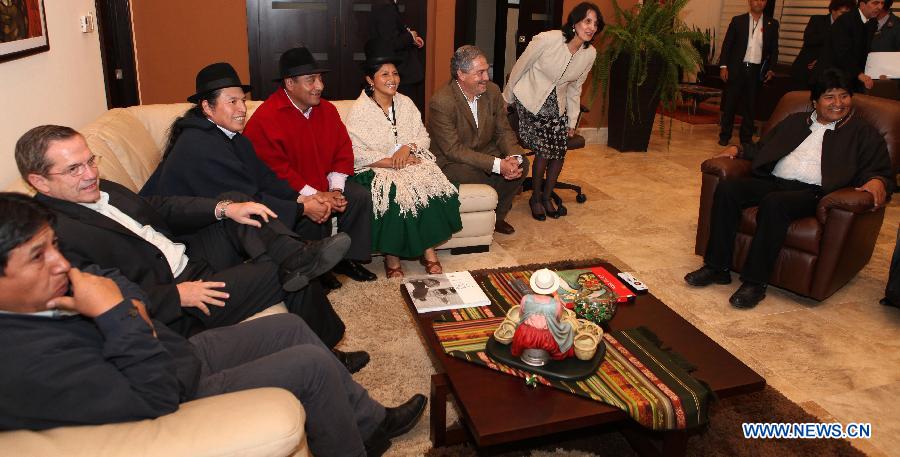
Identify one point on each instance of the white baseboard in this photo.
(594, 135)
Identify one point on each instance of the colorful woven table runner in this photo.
(636, 375)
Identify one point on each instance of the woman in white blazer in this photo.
(545, 88)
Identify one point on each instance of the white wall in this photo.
(703, 13)
(62, 86)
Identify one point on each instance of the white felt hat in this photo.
(544, 281)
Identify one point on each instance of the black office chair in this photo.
(576, 142)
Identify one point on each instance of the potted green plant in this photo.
(642, 56)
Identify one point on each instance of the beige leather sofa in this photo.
(259, 422)
(131, 142)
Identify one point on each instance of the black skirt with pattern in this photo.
(547, 132)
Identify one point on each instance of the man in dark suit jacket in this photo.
(481, 150)
(804, 157)
(749, 51)
(814, 40)
(386, 23)
(78, 348)
(847, 45)
(199, 273)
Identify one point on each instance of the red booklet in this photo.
(612, 281)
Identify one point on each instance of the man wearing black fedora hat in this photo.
(301, 137)
(206, 156)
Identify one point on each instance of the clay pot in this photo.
(585, 346)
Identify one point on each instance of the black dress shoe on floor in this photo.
(400, 419)
(354, 270)
(354, 361)
(397, 421)
(315, 258)
(748, 295)
(329, 282)
(707, 275)
(504, 228)
(723, 142)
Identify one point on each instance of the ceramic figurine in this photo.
(544, 330)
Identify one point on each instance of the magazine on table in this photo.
(445, 291)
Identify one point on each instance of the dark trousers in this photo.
(740, 96)
(281, 351)
(506, 190)
(355, 221)
(780, 202)
(246, 259)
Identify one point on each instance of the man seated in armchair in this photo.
(79, 348)
(803, 158)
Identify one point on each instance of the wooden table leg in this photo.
(439, 389)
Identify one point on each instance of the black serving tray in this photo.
(570, 369)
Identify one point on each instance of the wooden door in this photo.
(335, 31)
(117, 53)
(536, 16)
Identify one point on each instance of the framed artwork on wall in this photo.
(23, 28)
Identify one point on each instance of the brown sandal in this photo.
(391, 273)
(432, 267)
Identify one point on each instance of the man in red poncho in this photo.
(301, 137)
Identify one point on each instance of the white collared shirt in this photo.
(227, 132)
(174, 252)
(336, 181)
(862, 16)
(755, 41)
(804, 164)
(473, 107)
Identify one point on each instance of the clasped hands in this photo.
(510, 168)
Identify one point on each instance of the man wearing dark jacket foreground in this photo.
(79, 348)
(804, 157)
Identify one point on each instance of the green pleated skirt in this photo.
(408, 235)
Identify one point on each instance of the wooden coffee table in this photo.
(497, 408)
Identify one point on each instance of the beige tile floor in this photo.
(839, 359)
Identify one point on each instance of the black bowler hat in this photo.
(379, 51)
(216, 76)
(297, 62)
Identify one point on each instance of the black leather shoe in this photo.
(354, 361)
(397, 421)
(354, 271)
(723, 142)
(707, 275)
(504, 228)
(329, 282)
(748, 295)
(400, 419)
(315, 258)
(884, 301)
(554, 214)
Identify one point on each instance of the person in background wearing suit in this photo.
(847, 45)
(79, 348)
(814, 36)
(204, 262)
(887, 37)
(470, 133)
(804, 157)
(749, 51)
(385, 23)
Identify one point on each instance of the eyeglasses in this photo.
(78, 169)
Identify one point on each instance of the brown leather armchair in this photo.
(821, 253)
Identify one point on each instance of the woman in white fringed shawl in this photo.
(415, 207)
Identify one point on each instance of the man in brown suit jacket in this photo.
(470, 134)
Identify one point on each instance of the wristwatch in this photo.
(220, 208)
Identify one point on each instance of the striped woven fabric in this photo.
(636, 376)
